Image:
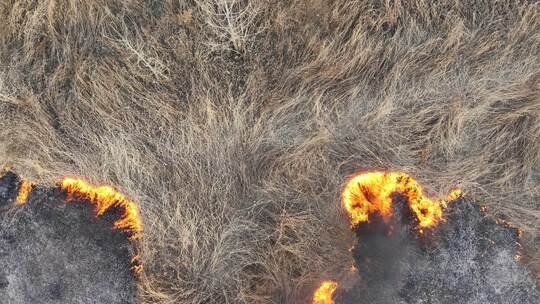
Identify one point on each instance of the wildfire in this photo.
(105, 197)
(455, 193)
(323, 294)
(136, 263)
(24, 190)
(370, 192)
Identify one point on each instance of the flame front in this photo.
(136, 263)
(24, 190)
(323, 294)
(105, 197)
(455, 193)
(370, 192)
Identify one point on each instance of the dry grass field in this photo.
(234, 124)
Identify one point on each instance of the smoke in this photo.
(383, 252)
(467, 258)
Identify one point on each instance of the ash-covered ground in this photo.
(52, 251)
(469, 258)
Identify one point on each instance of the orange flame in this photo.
(370, 192)
(24, 190)
(136, 263)
(455, 193)
(323, 294)
(105, 197)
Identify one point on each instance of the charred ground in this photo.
(234, 124)
(52, 251)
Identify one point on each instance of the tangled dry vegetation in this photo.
(234, 124)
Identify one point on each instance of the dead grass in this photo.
(234, 124)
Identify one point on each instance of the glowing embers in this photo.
(371, 192)
(25, 187)
(323, 294)
(136, 264)
(106, 197)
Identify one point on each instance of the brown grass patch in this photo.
(235, 124)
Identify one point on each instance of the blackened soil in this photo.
(52, 251)
(8, 188)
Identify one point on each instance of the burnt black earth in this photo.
(52, 251)
(469, 258)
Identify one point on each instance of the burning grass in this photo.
(25, 187)
(324, 293)
(236, 123)
(105, 198)
(371, 192)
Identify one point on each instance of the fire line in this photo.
(24, 190)
(105, 197)
(371, 192)
(323, 294)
